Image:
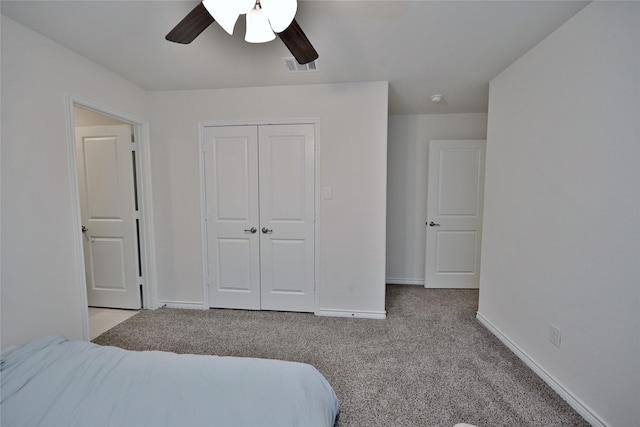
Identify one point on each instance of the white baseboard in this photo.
(353, 314)
(182, 304)
(573, 401)
(320, 312)
(398, 281)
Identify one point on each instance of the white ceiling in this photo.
(421, 47)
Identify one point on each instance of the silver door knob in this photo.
(433, 224)
(252, 230)
(84, 229)
(265, 230)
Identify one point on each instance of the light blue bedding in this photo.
(55, 382)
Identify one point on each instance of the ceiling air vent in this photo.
(293, 67)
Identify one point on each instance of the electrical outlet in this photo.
(554, 335)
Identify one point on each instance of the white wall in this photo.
(562, 207)
(353, 161)
(408, 158)
(39, 286)
(40, 292)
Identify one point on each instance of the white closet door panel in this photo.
(286, 165)
(284, 262)
(232, 216)
(234, 183)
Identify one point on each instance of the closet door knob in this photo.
(433, 224)
(252, 230)
(265, 230)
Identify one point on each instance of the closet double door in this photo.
(260, 216)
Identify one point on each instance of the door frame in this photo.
(316, 238)
(145, 203)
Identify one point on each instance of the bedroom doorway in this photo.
(104, 143)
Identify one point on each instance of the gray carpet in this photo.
(430, 363)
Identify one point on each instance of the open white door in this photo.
(454, 213)
(107, 205)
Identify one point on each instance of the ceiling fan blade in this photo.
(298, 43)
(191, 25)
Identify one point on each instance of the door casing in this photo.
(203, 213)
(143, 159)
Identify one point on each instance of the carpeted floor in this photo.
(430, 363)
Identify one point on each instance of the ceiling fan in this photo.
(264, 18)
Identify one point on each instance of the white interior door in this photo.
(259, 191)
(107, 205)
(232, 216)
(287, 158)
(454, 213)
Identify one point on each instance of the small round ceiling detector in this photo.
(436, 98)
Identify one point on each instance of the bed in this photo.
(56, 382)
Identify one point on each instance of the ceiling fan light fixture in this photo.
(226, 12)
(279, 12)
(258, 27)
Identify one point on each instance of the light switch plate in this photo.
(328, 193)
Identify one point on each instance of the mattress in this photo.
(56, 382)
